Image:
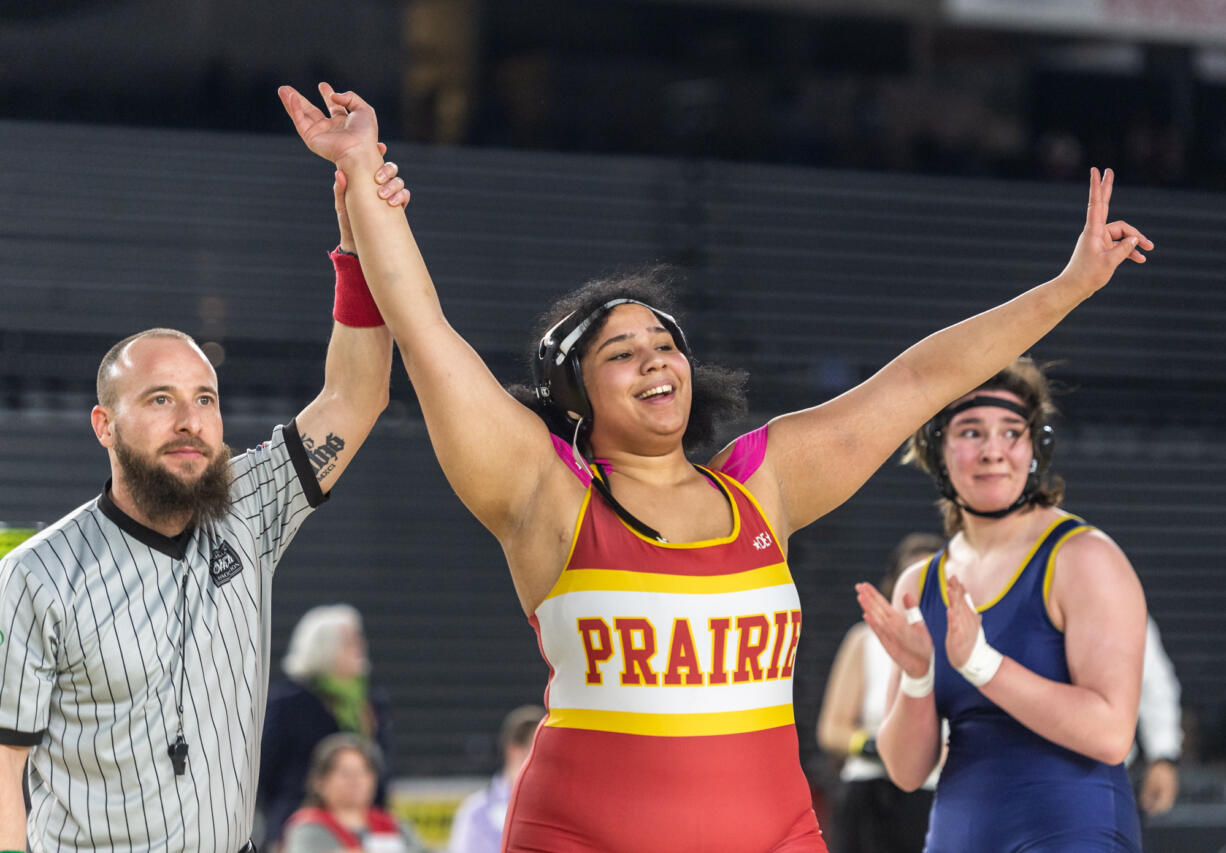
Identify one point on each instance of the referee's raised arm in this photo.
(359, 363)
(475, 426)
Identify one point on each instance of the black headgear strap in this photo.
(942, 476)
(987, 400)
(556, 372)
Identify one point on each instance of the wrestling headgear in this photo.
(556, 373)
(1042, 438)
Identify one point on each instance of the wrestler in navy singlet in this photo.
(1003, 787)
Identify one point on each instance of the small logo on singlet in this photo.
(762, 541)
(224, 564)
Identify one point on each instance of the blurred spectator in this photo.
(326, 692)
(477, 827)
(338, 812)
(870, 812)
(1159, 727)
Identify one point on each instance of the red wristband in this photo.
(354, 306)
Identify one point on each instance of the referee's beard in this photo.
(163, 496)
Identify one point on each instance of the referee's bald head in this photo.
(109, 369)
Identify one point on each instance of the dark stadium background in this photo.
(832, 180)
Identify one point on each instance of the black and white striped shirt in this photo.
(92, 614)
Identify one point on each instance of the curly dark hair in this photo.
(718, 393)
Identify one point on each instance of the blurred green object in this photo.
(12, 535)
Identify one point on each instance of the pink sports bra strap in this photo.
(746, 456)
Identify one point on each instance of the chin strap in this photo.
(1022, 500)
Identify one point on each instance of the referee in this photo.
(135, 630)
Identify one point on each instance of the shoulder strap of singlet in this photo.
(1057, 536)
(747, 454)
(930, 567)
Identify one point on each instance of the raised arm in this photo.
(356, 372)
(495, 453)
(819, 457)
(1097, 601)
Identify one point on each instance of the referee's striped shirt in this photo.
(92, 615)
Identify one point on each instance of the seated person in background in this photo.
(477, 826)
(327, 692)
(870, 812)
(339, 811)
(1159, 727)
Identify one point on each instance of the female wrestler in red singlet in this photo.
(660, 590)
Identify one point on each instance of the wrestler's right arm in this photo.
(496, 454)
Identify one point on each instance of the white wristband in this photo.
(982, 663)
(917, 688)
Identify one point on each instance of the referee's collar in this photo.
(172, 546)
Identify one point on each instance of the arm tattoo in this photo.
(324, 455)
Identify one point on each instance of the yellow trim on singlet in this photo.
(743, 489)
(574, 535)
(704, 543)
(1050, 569)
(672, 725)
(627, 580)
(923, 575)
(574, 541)
(1017, 574)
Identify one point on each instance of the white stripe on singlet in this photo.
(91, 611)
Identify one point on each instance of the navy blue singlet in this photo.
(1003, 787)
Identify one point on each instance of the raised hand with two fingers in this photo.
(1103, 245)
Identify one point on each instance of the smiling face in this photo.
(988, 453)
(637, 380)
(163, 428)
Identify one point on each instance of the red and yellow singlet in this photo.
(670, 724)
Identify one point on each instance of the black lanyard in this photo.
(600, 482)
(178, 749)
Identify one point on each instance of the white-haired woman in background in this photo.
(326, 691)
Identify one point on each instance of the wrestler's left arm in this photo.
(817, 458)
